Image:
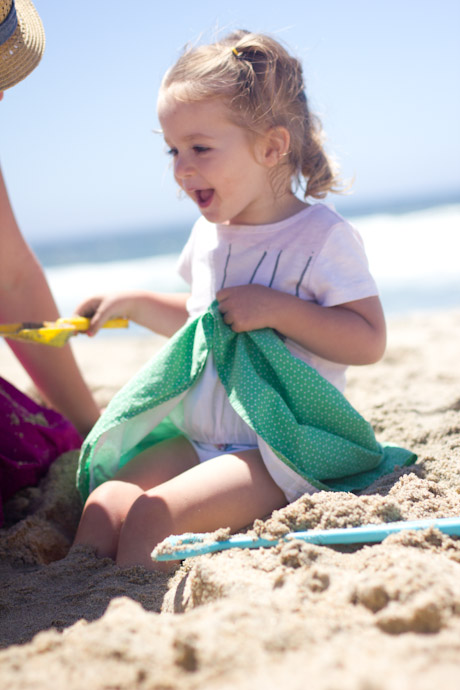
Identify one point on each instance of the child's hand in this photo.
(101, 308)
(247, 307)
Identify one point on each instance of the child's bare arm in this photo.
(163, 313)
(351, 333)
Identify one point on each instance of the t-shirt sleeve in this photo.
(341, 271)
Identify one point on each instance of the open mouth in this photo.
(204, 197)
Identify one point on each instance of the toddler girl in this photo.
(242, 139)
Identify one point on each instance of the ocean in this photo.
(414, 255)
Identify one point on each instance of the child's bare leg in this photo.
(103, 514)
(228, 491)
(107, 506)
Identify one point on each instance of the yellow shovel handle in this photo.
(55, 333)
(81, 323)
(6, 328)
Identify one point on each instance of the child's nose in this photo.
(182, 167)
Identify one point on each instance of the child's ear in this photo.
(274, 145)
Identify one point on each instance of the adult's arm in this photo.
(26, 296)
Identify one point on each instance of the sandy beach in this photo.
(297, 616)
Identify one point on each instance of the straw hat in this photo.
(22, 41)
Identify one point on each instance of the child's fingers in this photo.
(106, 310)
(97, 321)
(223, 294)
(89, 307)
(97, 309)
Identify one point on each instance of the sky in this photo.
(79, 148)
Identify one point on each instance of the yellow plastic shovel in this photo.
(55, 333)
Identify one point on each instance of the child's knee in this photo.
(148, 510)
(101, 493)
(109, 504)
(103, 516)
(114, 493)
(148, 521)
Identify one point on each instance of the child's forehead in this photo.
(173, 106)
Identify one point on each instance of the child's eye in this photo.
(172, 152)
(201, 149)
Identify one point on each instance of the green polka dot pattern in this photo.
(306, 421)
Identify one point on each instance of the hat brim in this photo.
(21, 53)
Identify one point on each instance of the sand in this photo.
(375, 617)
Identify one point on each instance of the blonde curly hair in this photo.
(263, 86)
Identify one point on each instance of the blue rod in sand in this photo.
(190, 544)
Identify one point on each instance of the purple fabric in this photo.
(31, 438)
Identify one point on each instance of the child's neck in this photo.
(281, 209)
(287, 207)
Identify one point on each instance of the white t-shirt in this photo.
(315, 255)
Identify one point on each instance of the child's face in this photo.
(215, 162)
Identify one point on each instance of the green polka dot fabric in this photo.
(304, 419)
